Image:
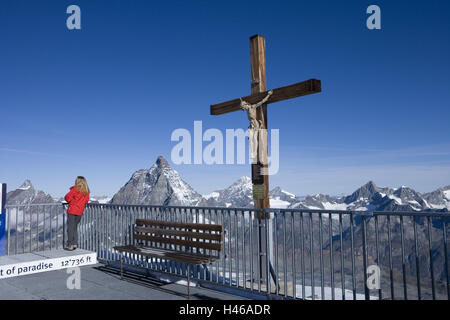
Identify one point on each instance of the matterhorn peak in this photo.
(159, 185)
(26, 185)
(162, 162)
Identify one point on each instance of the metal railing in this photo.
(34, 227)
(300, 254)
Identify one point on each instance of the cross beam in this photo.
(284, 93)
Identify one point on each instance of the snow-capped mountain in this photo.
(372, 197)
(368, 197)
(438, 199)
(240, 195)
(100, 199)
(280, 198)
(159, 185)
(27, 194)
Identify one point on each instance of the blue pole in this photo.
(2, 218)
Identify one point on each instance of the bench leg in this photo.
(188, 278)
(121, 266)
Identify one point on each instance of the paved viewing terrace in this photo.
(97, 281)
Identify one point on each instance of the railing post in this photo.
(430, 246)
(364, 240)
(9, 233)
(416, 251)
(2, 218)
(352, 250)
(444, 235)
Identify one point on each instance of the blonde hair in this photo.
(81, 185)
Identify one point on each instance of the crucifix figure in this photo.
(256, 134)
(256, 107)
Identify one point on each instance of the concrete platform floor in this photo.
(99, 282)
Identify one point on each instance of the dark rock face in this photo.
(367, 191)
(159, 185)
(26, 194)
(438, 197)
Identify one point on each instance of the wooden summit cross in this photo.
(260, 178)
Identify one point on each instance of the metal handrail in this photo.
(270, 210)
(300, 248)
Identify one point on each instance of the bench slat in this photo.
(164, 255)
(180, 233)
(182, 225)
(181, 253)
(194, 244)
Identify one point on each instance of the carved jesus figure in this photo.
(253, 130)
(256, 135)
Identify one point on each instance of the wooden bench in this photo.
(191, 243)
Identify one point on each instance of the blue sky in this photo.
(103, 101)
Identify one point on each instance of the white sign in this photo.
(30, 267)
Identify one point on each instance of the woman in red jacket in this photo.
(77, 198)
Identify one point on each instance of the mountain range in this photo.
(162, 185)
(27, 194)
